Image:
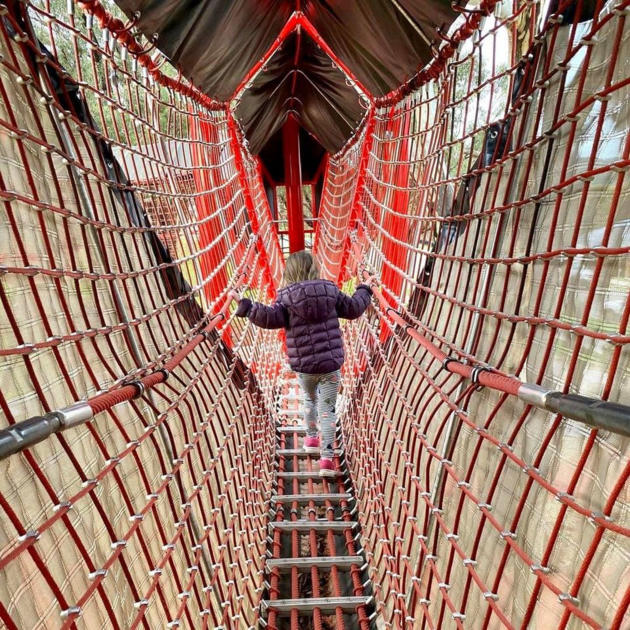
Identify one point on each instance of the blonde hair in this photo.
(300, 266)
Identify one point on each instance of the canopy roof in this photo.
(215, 43)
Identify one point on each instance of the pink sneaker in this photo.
(327, 468)
(311, 444)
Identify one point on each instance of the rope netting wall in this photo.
(336, 206)
(130, 207)
(495, 206)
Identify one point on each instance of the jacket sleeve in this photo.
(274, 316)
(353, 307)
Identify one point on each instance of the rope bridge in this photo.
(149, 445)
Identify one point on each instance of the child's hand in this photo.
(235, 295)
(372, 281)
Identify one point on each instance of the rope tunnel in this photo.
(151, 469)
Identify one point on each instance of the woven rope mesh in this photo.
(492, 201)
(124, 220)
(517, 260)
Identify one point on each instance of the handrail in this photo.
(27, 433)
(595, 412)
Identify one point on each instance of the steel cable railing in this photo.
(27, 433)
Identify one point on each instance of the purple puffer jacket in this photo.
(310, 312)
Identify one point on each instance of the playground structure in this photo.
(150, 470)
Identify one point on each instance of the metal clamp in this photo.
(139, 385)
(164, 371)
(76, 414)
(476, 371)
(533, 394)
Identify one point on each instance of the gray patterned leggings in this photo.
(320, 391)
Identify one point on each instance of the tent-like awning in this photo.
(376, 44)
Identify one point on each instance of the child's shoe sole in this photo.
(328, 473)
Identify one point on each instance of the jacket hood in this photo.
(311, 300)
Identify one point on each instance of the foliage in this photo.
(111, 80)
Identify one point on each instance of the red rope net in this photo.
(490, 196)
(128, 212)
(494, 206)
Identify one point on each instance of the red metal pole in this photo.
(249, 204)
(207, 203)
(293, 182)
(358, 190)
(394, 221)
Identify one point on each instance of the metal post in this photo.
(293, 182)
(358, 190)
(235, 143)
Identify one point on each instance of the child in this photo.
(309, 308)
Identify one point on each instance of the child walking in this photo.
(309, 309)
